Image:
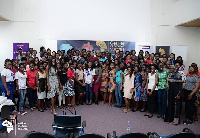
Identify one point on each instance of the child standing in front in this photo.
(112, 83)
(20, 78)
(119, 83)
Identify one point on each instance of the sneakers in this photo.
(34, 108)
(14, 111)
(22, 112)
(187, 122)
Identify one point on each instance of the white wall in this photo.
(186, 10)
(25, 27)
(112, 20)
(164, 31)
(7, 9)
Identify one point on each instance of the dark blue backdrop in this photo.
(95, 45)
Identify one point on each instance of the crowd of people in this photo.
(147, 82)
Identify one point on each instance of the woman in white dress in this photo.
(128, 88)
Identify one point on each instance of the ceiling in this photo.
(192, 23)
(3, 19)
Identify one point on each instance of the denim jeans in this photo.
(161, 101)
(22, 96)
(32, 97)
(88, 91)
(10, 86)
(118, 94)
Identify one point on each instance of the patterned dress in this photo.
(162, 79)
(138, 79)
(175, 83)
(68, 89)
(197, 102)
(104, 82)
(143, 96)
(53, 80)
(112, 82)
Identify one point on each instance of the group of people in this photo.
(147, 82)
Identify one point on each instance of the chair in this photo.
(134, 135)
(90, 136)
(183, 135)
(67, 132)
(186, 133)
(5, 113)
(1, 84)
(109, 135)
(3, 129)
(34, 134)
(152, 135)
(113, 136)
(64, 125)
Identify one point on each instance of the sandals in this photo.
(53, 112)
(159, 116)
(126, 111)
(60, 107)
(102, 102)
(150, 116)
(69, 106)
(195, 119)
(134, 110)
(147, 114)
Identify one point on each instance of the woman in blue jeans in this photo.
(162, 79)
(20, 77)
(118, 88)
(88, 75)
(8, 77)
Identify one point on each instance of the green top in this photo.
(162, 79)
